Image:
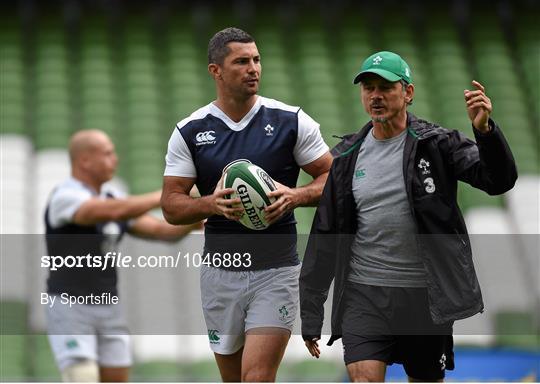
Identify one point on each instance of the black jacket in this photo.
(453, 289)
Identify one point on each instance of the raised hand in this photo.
(478, 107)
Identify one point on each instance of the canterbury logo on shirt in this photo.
(206, 137)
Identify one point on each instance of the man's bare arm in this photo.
(96, 210)
(307, 195)
(318, 169)
(151, 227)
(179, 208)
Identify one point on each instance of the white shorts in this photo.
(95, 332)
(236, 301)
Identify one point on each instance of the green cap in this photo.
(388, 65)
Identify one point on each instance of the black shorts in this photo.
(393, 325)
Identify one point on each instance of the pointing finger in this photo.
(478, 85)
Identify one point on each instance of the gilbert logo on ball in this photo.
(251, 184)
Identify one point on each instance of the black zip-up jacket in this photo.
(434, 159)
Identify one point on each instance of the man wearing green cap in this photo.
(390, 234)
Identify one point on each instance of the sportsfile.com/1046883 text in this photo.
(119, 260)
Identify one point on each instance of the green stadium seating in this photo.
(275, 79)
(397, 36)
(527, 34)
(12, 96)
(493, 57)
(135, 86)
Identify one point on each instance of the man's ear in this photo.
(410, 92)
(215, 71)
(84, 161)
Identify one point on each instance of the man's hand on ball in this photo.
(478, 107)
(230, 208)
(286, 201)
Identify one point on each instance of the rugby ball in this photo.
(251, 184)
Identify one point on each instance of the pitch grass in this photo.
(29, 358)
(205, 371)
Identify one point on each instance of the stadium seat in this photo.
(527, 38)
(276, 78)
(396, 36)
(493, 58)
(12, 78)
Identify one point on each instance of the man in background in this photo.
(85, 217)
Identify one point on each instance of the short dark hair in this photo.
(217, 46)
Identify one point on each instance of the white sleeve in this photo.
(309, 144)
(64, 203)
(178, 159)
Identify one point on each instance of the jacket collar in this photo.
(417, 128)
(422, 129)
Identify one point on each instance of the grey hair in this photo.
(217, 46)
(404, 86)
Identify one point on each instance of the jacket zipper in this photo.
(460, 237)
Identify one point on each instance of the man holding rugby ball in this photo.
(249, 310)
